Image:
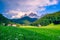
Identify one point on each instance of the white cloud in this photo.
(16, 14)
(42, 2)
(26, 6)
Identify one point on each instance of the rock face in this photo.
(33, 15)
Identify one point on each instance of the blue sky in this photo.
(17, 8)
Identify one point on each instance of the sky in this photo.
(17, 8)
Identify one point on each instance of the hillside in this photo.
(48, 19)
(3, 19)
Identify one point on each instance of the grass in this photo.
(50, 32)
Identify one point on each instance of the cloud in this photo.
(16, 14)
(20, 7)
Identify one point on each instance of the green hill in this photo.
(3, 19)
(48, 19)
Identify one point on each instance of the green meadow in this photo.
(50, 32)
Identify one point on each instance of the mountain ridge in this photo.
(21, 20)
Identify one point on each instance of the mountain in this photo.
(48, 19)
(33, 15)
(3, 19)
(23, 19)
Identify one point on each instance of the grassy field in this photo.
(50, 32)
